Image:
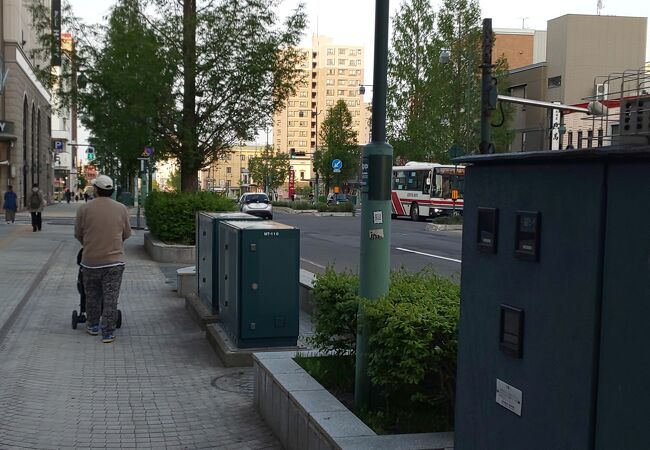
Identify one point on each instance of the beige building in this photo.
(25, 155)
(332, 72)
(581, 51)
(521, 47)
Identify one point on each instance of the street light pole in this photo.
(376, 171)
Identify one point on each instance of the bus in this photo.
(422, 190)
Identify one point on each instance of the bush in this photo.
(343, 207)
(412, 348)
(449, 220)
(171, 216)
(282, 204)
(335, 315)
(413, 345)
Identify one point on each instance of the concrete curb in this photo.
(168, 253)
(313, 212)
(199, 312)
(304, 416)
(442, 227)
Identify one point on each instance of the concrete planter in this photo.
(168, 253)
(441, 227)
(305, 416)
(294, 211)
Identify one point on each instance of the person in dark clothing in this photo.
(10, 205)
(36, 204)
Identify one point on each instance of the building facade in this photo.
(25, 155)
(581, 51)
(331, 72)
(521, 47)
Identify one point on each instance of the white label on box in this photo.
(509, 397)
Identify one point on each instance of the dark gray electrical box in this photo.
(207, 262)
(258, 283)
(555, 300)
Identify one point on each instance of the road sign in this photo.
(148, 151)
(58, 146)
(337, 165)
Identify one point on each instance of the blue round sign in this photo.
(337, 164)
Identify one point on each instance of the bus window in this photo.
(427, 183)
(399, 180)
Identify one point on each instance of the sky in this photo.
(352, 21)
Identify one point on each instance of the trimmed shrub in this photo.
(335, 315)
(449, 220)
(343, 207)
(171, 216)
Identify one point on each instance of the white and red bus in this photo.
(422, 190)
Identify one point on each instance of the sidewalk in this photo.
(158, 385)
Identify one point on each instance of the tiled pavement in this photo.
(157, 386)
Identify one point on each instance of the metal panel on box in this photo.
(259, 271)
(207, 256)
(623, 394)
(529, 385)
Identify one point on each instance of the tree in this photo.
(174, 181)
(237, 66)
(271, 168)
(340, 142)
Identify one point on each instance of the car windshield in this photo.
(340, 197)
(256, 198)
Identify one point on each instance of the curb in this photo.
(442, 227)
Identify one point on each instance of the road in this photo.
(335, 241)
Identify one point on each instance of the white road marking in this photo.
(428, 254)
(312, 263)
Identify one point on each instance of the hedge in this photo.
(171, 216)
(412, 347)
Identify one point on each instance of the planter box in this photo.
(168, 253)
(305, 416)
(442, 227)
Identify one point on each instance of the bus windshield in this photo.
(447, 180)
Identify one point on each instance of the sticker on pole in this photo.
(376, 234)
(377, 217)
(337, 165)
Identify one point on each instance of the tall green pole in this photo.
(376, 168)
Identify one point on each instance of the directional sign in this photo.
(337, 165)
(148, 151)
(58, 146)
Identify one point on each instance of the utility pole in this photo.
(376, 171)
(488, 90)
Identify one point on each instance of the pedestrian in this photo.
(36, 204)
(102, 226)
(85, 196)
(68, 195)
(10, 205)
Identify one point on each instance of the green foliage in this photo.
(335, 315)
(171, 217)
(340, 142)
(270, 168)
(413, 343)
(335, 373)
(303, 191)
(174, 181)
(342, 207)
(412, 348)
(449, 220)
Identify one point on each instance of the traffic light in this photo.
(292, 153)
(90, 153)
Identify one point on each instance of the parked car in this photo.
(337, 199)
(256, 204)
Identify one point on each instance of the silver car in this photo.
(257, 204)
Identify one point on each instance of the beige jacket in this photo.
(41, 199)
(102, 225)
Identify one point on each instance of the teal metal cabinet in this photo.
(258, 289)
(207, 262)
(555, 299)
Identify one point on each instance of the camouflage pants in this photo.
(102, 285)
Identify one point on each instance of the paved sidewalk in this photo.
(158, 385)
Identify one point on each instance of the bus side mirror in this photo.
(428, 181)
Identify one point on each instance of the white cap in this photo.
(103, 182)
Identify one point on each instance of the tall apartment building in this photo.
(332, 72)
(25, 156)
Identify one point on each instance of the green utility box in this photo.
(207, 260)
(259, 263)
(555, 299)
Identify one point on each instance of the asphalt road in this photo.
(335, 241)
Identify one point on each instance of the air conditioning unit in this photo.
(602, 89)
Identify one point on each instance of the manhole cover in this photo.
(238, 382)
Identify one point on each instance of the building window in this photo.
(331, 51)
(352, 63)
(330, 62)
(329, 82)
(341, 51)
(600, 137)
(302, 175)
(329, 102)
(331, 72)
(303, 104)
(358, 62)
(303, 143)
(353, 93)
(342, 71)
(342, 62)
(352, 82)
(555, 82)
(570, 139)
(341, 82)
(303, 93)
(329, 92)
(341, 92)
(590, 138)
(579, 139)
(228, 169)
(243, 158)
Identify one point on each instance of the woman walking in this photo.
(10, 205)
